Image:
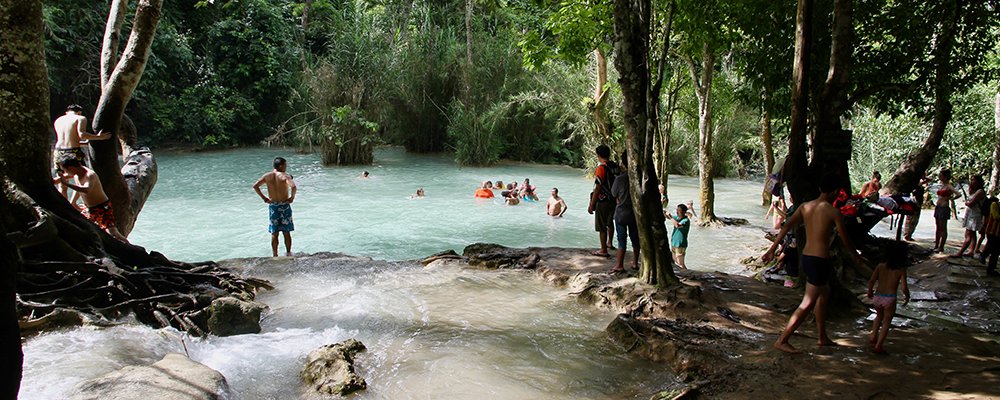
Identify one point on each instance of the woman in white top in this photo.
(973, 222)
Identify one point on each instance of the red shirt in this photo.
(601, 176)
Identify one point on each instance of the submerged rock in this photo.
(330, 369)
(229, 316)
(173, 377)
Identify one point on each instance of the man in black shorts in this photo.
(819, 216)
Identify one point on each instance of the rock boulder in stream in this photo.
(175, 377)
(330, 369)
(229, 316)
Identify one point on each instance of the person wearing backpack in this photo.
(602, 202)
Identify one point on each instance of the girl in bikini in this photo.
(889, 275)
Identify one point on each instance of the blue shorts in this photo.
(280, 215)
(630, 231)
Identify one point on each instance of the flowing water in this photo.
(431, 332)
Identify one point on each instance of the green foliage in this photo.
(567, 31)
(217, 76)
(72, 47)
(475, 144)
(736, 146)
(882, 141)
(427, 79)
(894, 60)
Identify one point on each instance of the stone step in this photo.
(969, 272)
(982, 282)
(965, 262)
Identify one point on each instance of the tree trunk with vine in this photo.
(632, 54)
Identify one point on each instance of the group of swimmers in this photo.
(513, 194)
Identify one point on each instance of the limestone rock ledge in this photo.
(175, 377)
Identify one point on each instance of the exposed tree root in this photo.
(107, 279)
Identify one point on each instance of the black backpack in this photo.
(611, 170)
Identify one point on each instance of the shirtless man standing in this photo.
(71, 131)
(86, 182)
(819, 216)
(556, 206)
(280, 195)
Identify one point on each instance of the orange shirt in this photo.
(484, 193)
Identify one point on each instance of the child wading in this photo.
(679, 238)
(889, 275)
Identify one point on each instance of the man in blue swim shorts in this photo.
(819, 217)
(280, 195)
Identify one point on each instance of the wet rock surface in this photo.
(494, 256)
(329, 370)
(228, 316)
(175, 377)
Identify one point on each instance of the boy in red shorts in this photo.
(86, 182)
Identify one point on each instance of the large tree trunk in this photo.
(10, 334)
(995, 175)
(115, 95)
(602, 121)
(703, 90)
(765, 138)
(908, 175)
(67, 261)
(632, 56)
(831, 149)
(796, 171)
(24, 129)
